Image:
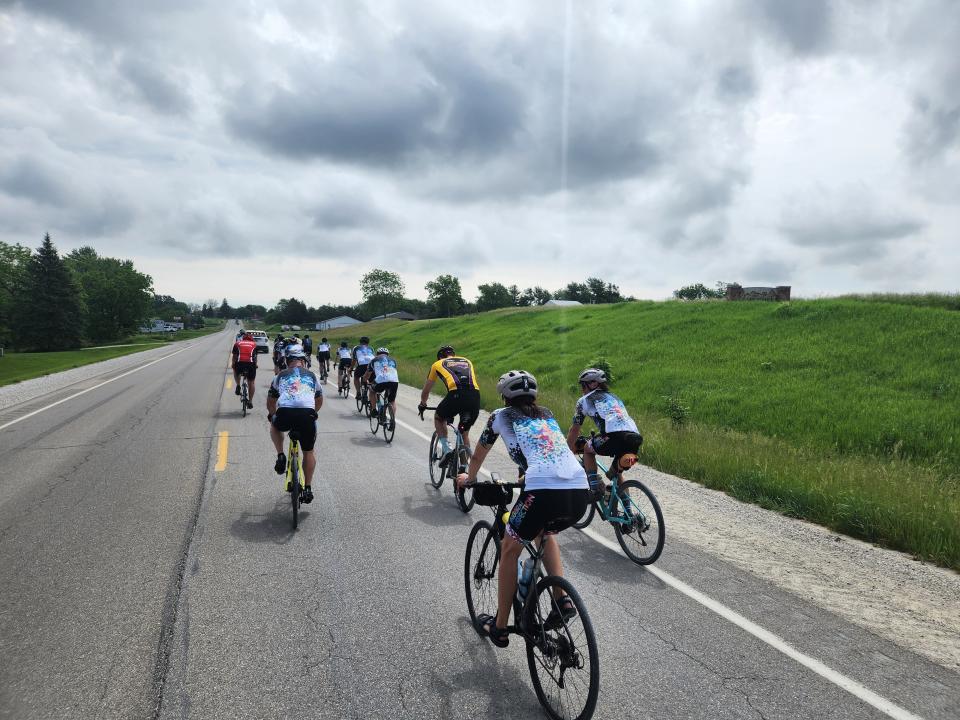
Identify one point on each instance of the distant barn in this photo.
(337, 322)
(779, 293)
(562, 303)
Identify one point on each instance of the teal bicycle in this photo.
(561, 646)
(633, 511)
(449, 465)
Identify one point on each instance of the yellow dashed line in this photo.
(229, 383)
(222, 445)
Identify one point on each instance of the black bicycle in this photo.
(561, 646)
(381, 416)
(244, 396)
(450, 465)
(322, 367)
(363, 398)
(343, 388)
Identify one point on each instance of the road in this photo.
(138, 580)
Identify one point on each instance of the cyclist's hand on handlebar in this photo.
(462, 480)
(421, 408)
(269, 418)
(580, 442)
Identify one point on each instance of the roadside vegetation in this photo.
(840, 411)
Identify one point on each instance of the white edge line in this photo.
(851, 686)
(78, 394)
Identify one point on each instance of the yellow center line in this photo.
(222, 445)
(229, 383)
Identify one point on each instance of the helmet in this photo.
(382, 351)
(364, 340)
(295, 351)
(592, 375)
(517, 383)
(445, 351)
(323, 339)
(343, 343)
(248, 335)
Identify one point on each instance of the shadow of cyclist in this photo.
(273, 526)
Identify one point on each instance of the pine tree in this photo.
(49, 311)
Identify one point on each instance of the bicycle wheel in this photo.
(361, 400)
(641, 538)
(391, 425)
(563, 660)
(243, 399)
(294, 488)
(374, 418)
(436, 455)
(480, 571)
(587, 516)
(464, 497)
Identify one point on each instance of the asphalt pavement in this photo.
(148, 569)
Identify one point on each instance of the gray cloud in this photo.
(770, 270)
(349, 212)
(803, 26)
(28, 178)
(736, 83)
(155, 87)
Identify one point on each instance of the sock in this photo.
(594, 480)
(444, 445)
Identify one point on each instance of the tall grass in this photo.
(840, 411)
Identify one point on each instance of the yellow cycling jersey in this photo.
(456, 373)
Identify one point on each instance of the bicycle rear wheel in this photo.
(391, 425)
(374, 418)
(464, 497)
(361, 400)
(587, 517)
(436, 455)
(563, 660)
(243, 399)
(295, 489)
(480, 571)
(641, 538)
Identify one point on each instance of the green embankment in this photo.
(842, 412)
(16, 367)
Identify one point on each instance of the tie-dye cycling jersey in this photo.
(384, 369)
(295, 388)
(607, 411)
(538, 446)
(363, 354)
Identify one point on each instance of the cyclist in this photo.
(307, 348)
(344, 361)
(362, 354)
(463, 396)
(554, 496)
(244, 363)
(383, 371)
(278, 345)
(323, 354)
(618, 431)
(294, 397)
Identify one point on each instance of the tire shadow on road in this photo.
(437, 509)
(272, 527)
(588, 558)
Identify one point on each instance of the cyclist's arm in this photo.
(425, 394)
(476, 460)
(271, 405)
(572, 436)
(368, 375)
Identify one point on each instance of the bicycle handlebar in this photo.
(422, 410)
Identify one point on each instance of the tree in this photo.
(601, 292)
(116, 297)
(535, 296)
(381, 290)
(493, 296)
(698, 292)
(225, 311)
(48, 313)
(13, 262)
(445, 295)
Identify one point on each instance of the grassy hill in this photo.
(841, 411)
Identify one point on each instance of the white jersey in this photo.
(344, 353)
(323, 347)
(384, 369)
(539, 447)
(607, 410)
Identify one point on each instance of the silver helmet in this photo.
(382, 351)
(592, 375)
(296, 351)
(517, 383)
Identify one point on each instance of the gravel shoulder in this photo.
(888, 593)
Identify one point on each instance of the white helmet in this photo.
(296, 351)
(382, 351)
(517, 383)
(593, 375)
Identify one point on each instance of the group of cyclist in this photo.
(557, 488)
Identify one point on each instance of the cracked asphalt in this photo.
(136, 581)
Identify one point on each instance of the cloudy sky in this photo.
(256, 150)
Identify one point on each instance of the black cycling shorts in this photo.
(389, 390)
(359, 371)
(548, 511)
(465, 403)
(617, 443)
(247, 369)
(323, 355)
(345, 364)
(303, 420)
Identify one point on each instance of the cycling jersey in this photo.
(245, 351)
(344, 354)
(295, 388)
(607, 410)
(323, 347)
(307, 345)
(363, 354)
(539, 447)
(384, 369)
(456, 373)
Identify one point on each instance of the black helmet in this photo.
(445, 351)
(364, 340)
(343, 343)
(323, 339)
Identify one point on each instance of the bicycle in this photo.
(343, 389)
(382, 417)
(561, 657)
(363, 398)
(244, 396)
(322, 366)
(456, 462)
(294, 475)
(639, 525)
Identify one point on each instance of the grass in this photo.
(843, 412)
(16, 367)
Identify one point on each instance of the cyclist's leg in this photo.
(510, 550)
(309, 465)
(372, 395)
(446, 413)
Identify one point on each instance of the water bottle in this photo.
(524, 578)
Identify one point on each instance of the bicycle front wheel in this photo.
(480, 571)
(641, 537)
(436, 455)
(390, 426)
(562, 653)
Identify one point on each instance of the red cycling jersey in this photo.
(245, 350)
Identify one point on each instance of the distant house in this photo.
(562, 303)
(399, 315)
(337, 322)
